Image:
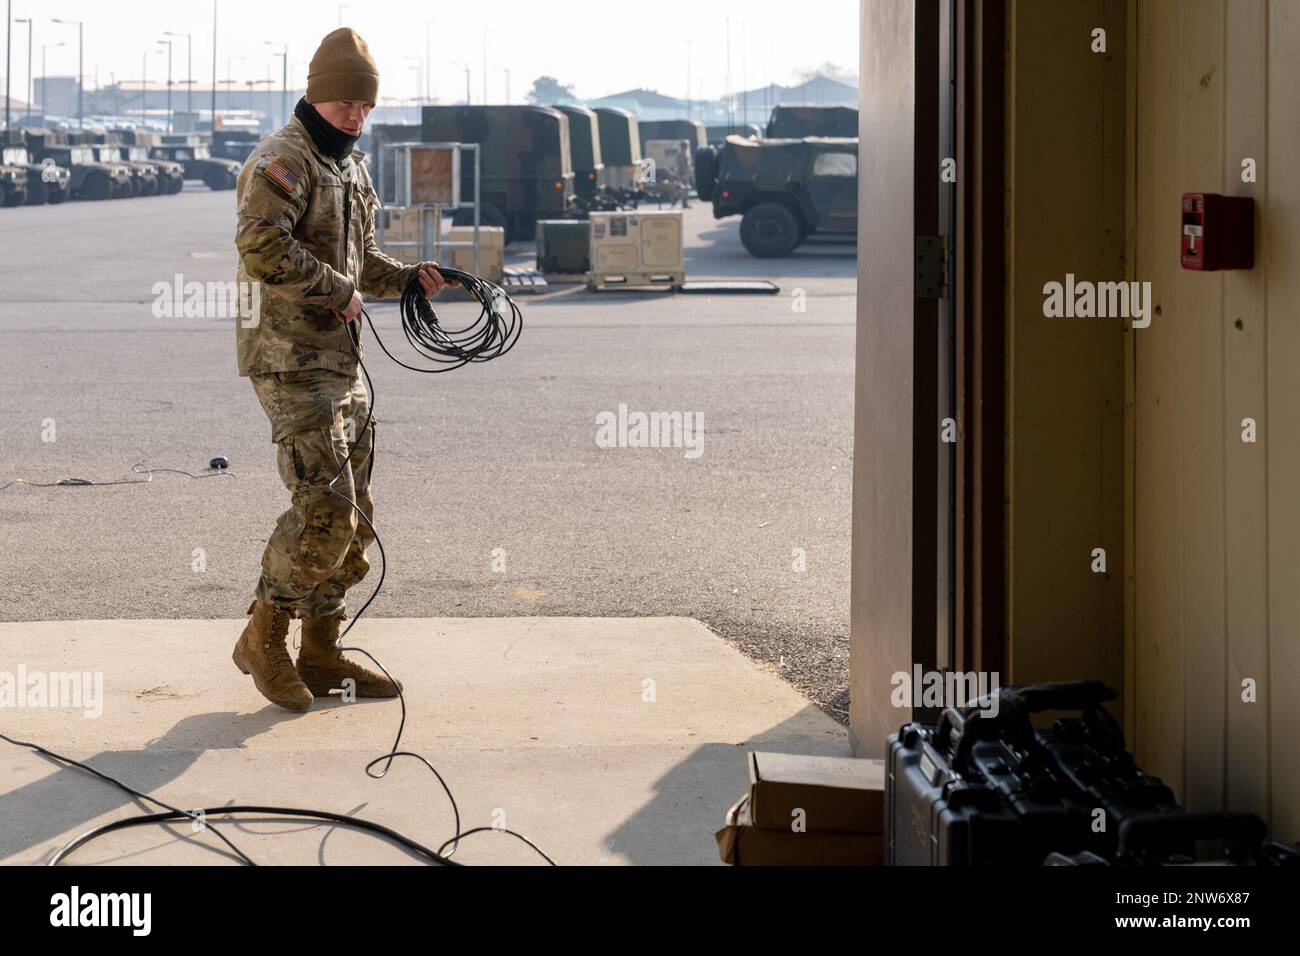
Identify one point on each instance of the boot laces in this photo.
(277, 654)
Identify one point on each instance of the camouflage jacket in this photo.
(292, 202)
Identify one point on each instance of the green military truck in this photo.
(142, 178)
(716, 134)
(785, 189)
(193, 154)
(46, 182)
(527, 172)
(620, 149)
(234, 144)
(584, 151)
(796, 122)
(89, 178)
(691, 130)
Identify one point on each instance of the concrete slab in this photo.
(604, 740)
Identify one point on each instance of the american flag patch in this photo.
(280, 174)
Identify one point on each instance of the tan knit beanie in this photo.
(342, 69)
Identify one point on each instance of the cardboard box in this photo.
(408, 225)
(740, 843)
(843, 794)
(491, 251)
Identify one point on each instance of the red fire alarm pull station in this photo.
(1218, 232)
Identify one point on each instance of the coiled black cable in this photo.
(491, 336)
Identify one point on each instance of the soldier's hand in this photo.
(431, 280)
(353, 309)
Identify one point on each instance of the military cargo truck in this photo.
(716, 134)
(785, 189)
(620, 149)
(192, 153)
(46, 182)
(584, 150)
(527, 173)
(89, 178)
(141, 180)
(692, 130)
(796, 122)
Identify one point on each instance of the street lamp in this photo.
(428, 63)
(468, 101)
(45, 76)
(189, 63)
(144, 85)
(506, 71)
(168, 44)
(342, 7)
(284, 81)
(230, 77)
(81, 49)
(418, 66)
(27, 21)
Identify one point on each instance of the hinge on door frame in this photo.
(931, 267)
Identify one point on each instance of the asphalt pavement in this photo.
(493, 496)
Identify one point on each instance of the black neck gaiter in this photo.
(329, 139)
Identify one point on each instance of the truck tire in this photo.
(54, 195)
(175, 186)
(96, 187)
(15, 196)
(148, 187)
(770, 231)
(37, 192)
(706, 172)
(488, 215)
(219, 179)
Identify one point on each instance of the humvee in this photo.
(193, 154)
(672, 169)
(89, 178)
(796, 122)
(527, 172)
(13, 184)
(135, 145)
(785, 188)
(234, 144)
(46, 182)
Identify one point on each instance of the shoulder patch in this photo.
(281, 175)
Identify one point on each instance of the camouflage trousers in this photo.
(318, 548)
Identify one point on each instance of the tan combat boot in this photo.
(261, 651)
(323, 667)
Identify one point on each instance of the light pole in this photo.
(467, 96)
(45, 76)
(428, 64)
(342, 7)
(27, 21)
(144, 85)
(284, 81)
(168, 44)
(418, 66)
(485, 69)
(213, 118)
(81, 49)
(230, 77)
(506, 71)
(189, 64)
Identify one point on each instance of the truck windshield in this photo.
(110, 154)
(201, 152)
(81, 154)
(137, 152)
(15, 156)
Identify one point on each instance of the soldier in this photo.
(306, 234)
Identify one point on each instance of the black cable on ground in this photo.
(140, 468)
(491, 335)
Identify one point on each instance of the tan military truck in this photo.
(89, 178)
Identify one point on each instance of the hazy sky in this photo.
(598, 47)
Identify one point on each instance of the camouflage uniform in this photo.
(293, 202)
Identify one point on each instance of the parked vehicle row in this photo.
(40, 165)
